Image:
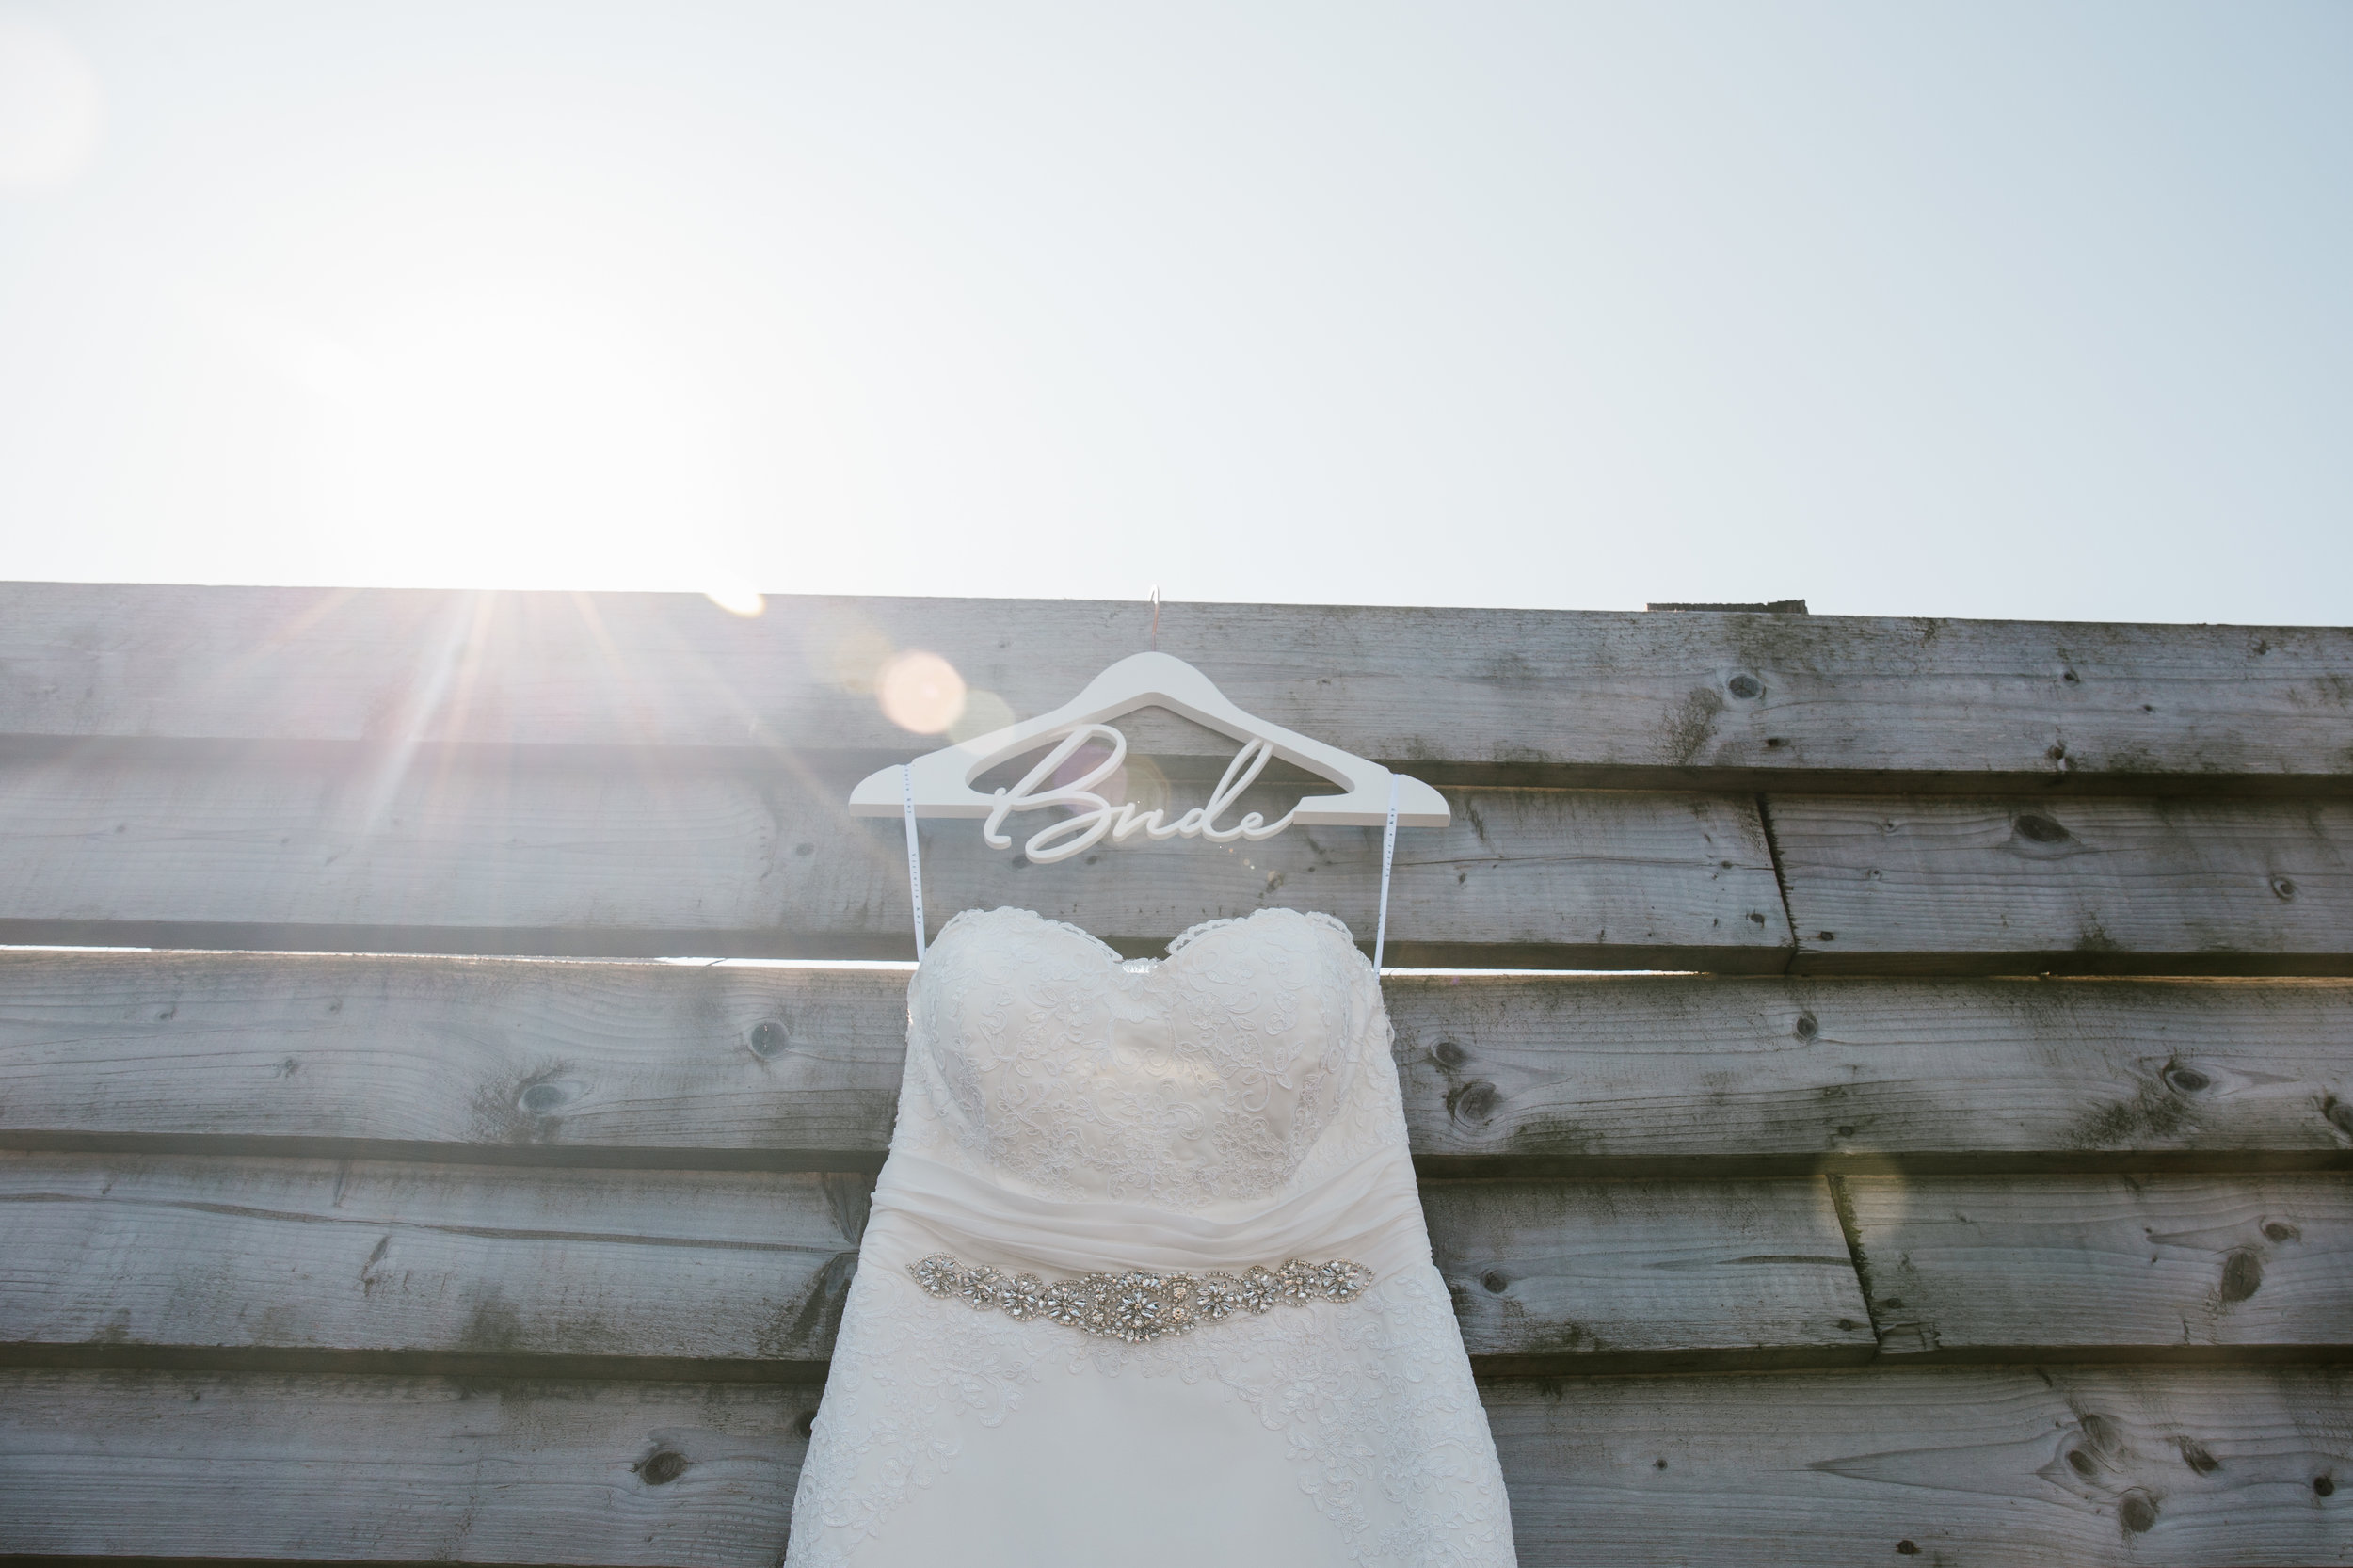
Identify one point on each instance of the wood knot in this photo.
(541, 1099)
(1474, 1102)
(1496, 1282)
(1806, 1028)
(2136, 1511)
(1907, 1548)
(2283, 887)
(660, 1467)
(2081, 1462)
(1745, 686)
(2324, 1487)
(2242, 1275)
(1448, 1054)
(2039, 829)
(2339, 1113)
(2279, 1230)
(769, 1038)
(2187, 1079)
(2199, 1457)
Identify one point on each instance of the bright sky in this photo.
(2039, 309)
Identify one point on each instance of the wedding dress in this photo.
(1146, 1278)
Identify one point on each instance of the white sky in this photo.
(1966, 309)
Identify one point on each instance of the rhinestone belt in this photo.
(1140, 1305)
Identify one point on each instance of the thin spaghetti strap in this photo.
(914, 856)
(1388, 854)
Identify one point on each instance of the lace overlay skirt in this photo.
(1332, 1433)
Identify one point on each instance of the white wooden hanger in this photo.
(940, 784)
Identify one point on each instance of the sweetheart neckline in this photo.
(1176, 944)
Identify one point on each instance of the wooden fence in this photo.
(1977, 1194)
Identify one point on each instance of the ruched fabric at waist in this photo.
(1369, 1212)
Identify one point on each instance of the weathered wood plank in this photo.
(130, 1257)
(1679, 1075)
(357, 1256)
(485, 1059)
(1604, 699)
(578, 857)
(2058, 1467)
(345, 1468)
(2089, 886)
(2068, 1467)
(1650, 1273)
(452, 1058)
(575, 856)
(2142, 1267)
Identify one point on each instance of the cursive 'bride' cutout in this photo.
(1096, 816)
(940, 784)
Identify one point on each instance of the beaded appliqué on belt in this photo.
(1140, 1305)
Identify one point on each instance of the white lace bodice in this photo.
(1213, 1074)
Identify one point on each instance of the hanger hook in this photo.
(1156, 617)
